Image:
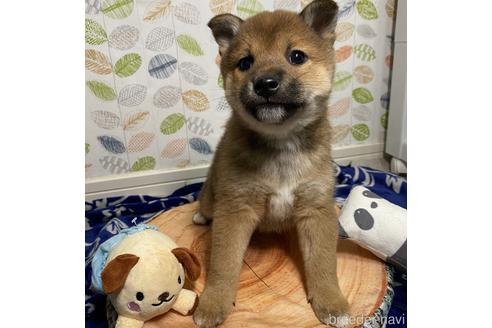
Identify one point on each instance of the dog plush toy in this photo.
(143, 272)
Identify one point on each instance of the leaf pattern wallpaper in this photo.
(154, 97)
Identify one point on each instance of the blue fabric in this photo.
(397, 316)
(387, 185)
(102, 253)
(107, 217)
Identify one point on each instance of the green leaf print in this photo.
(341, 80)
(101, 90)
(384, 120)
(248, 8)
(144, 163)
(367, 9)
(189, 44)
(360, 132)
(117, 9)
(127, 65)
(220, 81)
(94, 33)
(362, 95)
(364, 52)
(172, 123)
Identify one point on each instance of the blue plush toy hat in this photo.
(102, 253)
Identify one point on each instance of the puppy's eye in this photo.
(297, 57)
(179, 280)
(245, 63)
(140, 296)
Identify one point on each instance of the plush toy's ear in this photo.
(321, 16)
(224, 27)
(189, 261)
(114, 274)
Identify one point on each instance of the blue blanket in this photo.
(106, 217)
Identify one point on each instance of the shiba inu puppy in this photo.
(272, 169)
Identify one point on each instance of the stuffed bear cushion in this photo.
(375, 224)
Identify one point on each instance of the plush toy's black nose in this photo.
(266, 86)
(163, 296)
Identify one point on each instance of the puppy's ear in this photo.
(321, 16)
(114, 274)
(224, 27)
(189, 261)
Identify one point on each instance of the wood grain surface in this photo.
(271, 291)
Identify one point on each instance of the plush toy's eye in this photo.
(140, 296)
(297, 57)
(179, 280)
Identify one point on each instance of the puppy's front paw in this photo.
(198, 218)
(331, 311)
(211, 311)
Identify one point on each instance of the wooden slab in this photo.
(271, 292)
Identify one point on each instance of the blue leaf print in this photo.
(346, 9)
(200, 146)
(162, 66)
(112, 144)
(384, 100)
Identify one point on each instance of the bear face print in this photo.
(374, 223)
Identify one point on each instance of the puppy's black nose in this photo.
(266, 86)
(163, 296)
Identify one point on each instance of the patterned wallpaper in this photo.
(154, 97)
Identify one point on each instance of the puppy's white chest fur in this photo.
(284, 174)
(281, 202)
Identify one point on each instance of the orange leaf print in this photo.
(343, 53)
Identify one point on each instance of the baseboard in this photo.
(357, 151)
(144, 178)
(156, 190)
(163, 182)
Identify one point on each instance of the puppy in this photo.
(272, 168)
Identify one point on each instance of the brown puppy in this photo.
(272, 169)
